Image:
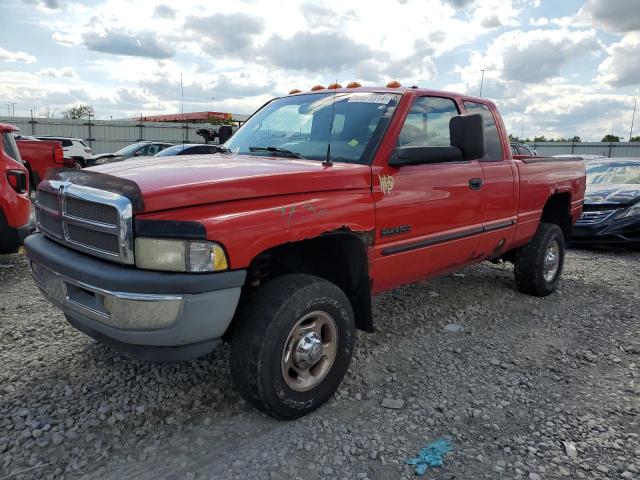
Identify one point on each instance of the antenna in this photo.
(327, 162)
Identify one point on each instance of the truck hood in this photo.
(186, 180)
(597, 194)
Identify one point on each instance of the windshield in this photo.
(620, 174)
(168, 152)
(300, 124)
(129, 149)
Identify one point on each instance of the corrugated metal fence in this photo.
(109, 135)
(613, 149)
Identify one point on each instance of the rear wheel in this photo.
(77, 164)
(293, 345)
(538, 265)
(9, 238)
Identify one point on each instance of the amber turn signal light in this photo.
(394, 84)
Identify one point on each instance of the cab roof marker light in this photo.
(394, 84)
(294, 91)
(334, 86)
(353, 85)
(315, 88)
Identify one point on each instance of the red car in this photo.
(41, 155)
(277, 243)
(15, 206)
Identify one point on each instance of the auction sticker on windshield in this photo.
(383, 99)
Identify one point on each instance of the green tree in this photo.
(610, 138)
(576, 139)
(78, 111)
(635, 139)
(541, 138)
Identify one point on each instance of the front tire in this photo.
(538, 265)
(293, 345)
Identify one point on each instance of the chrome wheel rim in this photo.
(551, 261)
(310, 351)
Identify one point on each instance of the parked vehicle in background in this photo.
(319, 201)
(585, 157)
(188, 149)
(41, 155)
(522, 150)
(140, 149)
(74, 149)
(611, 213)
(15, 206)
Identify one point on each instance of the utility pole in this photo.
(522, 131)
(213, 104)
(481, 82)
(11, 109)
(633, 117)
(181, 96)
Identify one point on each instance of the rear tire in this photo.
(538, 265)
(292, 345)
(9, 238)
(77, 165)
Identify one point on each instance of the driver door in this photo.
(428, 216)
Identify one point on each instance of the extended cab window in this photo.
(427, 123)
(492, 144)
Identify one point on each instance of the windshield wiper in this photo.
(283, 151)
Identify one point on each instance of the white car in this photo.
(73, 148)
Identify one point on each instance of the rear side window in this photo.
(427, 123)
(66, 143)
(492, 144)
(9, 146)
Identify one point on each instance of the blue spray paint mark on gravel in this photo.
(430, 456)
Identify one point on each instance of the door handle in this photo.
(475, 183)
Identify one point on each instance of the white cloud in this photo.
(7, 56)
(62, 72)
(613, 15)
(533, 56)
(622, 66)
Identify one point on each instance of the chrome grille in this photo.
(48, 200)
(87, 219)
(90, 238)
(594, 216)
(95, 212)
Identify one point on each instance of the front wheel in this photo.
(293, 345)
(538, 265)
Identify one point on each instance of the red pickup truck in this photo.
(15, 206)
(41, 155)
(277, 243)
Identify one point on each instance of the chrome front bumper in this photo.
(121, 310)
(124, 306)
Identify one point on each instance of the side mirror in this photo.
(421, 155)
(467, 133)
(224, 133)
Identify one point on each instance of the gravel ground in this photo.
(521, 377)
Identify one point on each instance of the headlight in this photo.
(631, 211)
(180, 255)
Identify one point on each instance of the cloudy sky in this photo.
(566, 68)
